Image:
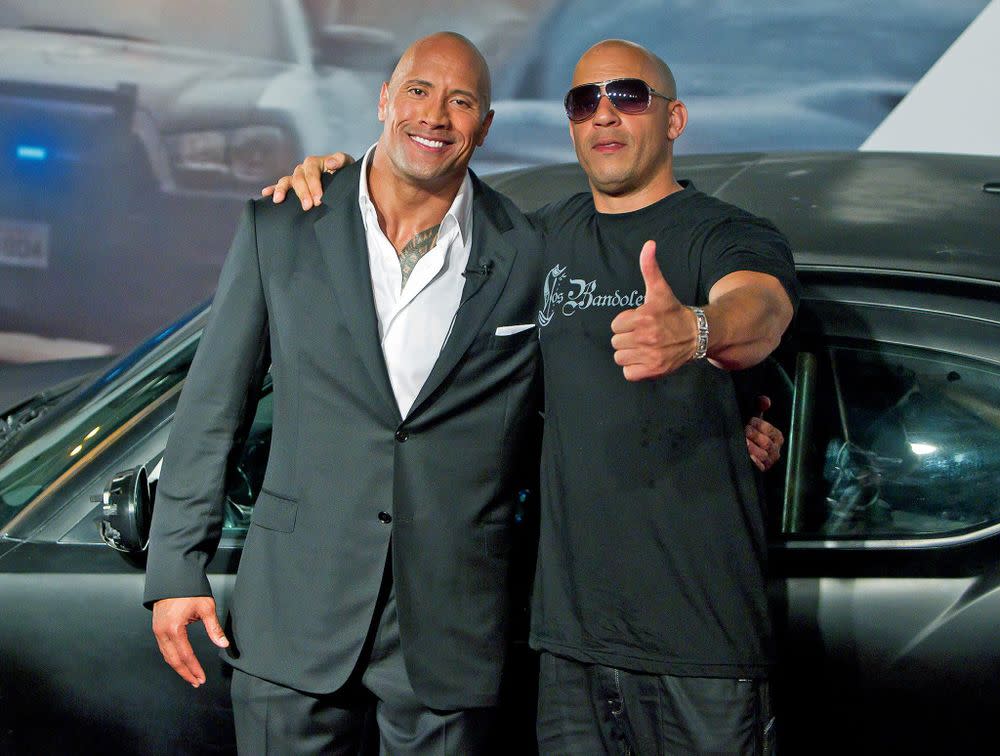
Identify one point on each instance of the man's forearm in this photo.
(746, 323)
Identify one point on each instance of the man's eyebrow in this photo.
(471, 95)
(428, 85)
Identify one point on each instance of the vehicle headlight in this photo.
(231, 159)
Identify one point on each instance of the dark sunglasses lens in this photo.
(630, 96)
(581, 102)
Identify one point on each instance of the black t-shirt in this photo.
(652, 543)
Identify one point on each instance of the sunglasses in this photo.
(628, 96)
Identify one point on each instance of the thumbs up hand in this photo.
(658, 336)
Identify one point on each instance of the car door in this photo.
(79, 667)
(887, 540)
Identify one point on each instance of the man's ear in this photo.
(383, 101)
(484, 129)
(677, 120)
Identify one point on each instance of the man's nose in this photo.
(606, 115)
(435, 113)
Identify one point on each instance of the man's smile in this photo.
(435, 145)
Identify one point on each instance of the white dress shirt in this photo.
(414, 321)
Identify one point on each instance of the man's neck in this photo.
(405, 208)
(629, 202)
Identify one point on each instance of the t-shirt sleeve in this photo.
(747, 243)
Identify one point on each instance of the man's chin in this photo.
(433, 173)
(610, 184)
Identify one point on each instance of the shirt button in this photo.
(402, 435)
(384, 517)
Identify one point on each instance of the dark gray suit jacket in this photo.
(295, 292)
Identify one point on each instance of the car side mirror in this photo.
(126, 512)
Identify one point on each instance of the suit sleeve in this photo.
(225, 376)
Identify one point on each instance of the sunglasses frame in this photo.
(603, 92)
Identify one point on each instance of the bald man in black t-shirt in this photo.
(650, 604)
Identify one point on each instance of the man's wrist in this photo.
(701, 336)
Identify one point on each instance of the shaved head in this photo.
(448, 43)
(628, 158)
(649, 66)
(435, 111)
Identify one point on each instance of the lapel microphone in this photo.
(483, 270)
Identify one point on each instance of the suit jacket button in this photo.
(402, 435)
(384, 517)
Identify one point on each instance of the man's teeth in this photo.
(427, 142)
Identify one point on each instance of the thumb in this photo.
(652, 276)
(336, 160)
(214, 629)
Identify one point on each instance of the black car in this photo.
(884, 518)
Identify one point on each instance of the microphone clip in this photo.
(484, 269)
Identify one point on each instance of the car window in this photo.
(74, 434)
(898, 443)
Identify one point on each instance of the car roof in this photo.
(916, 214)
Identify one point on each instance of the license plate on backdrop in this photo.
(24, 244)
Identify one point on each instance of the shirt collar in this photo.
(459, 214)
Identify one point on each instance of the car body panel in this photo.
(81, 670)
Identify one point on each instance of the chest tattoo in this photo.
(416, 248)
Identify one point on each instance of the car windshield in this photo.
(62, 443)
(231, 26)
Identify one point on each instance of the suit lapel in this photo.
(490, 261)
(340, 233)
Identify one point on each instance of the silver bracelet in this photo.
(701, 351)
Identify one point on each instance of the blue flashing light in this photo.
(31, 152)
